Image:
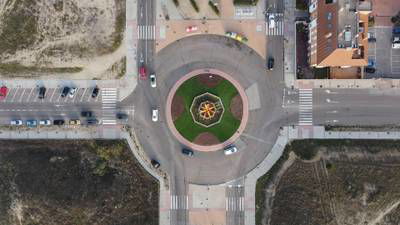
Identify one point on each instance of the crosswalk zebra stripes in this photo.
(146, 32)
(305, 107)
(179, 202)
(278, 28)
(234, 204)
(109, 104)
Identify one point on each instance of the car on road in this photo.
(153, 80)
(155, 163)
(154, 115)
(42, 92)
(59, 122)
(72, 92)
(271, 21)
(95, 92)
(270, 64)
(75, 122)
(92, 121)
(45, 122)
(86, 113)
(187, 152)
(142, 73)
(16, 122)
(191, 29)
(65, 91)
(121, 116)
(31, 123)
(3, 92)
(230, 150)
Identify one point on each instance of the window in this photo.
(329, 15)
(328, 1)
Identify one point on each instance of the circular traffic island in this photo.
(205, 110)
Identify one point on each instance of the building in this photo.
(338, 36)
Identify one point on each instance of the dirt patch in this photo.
(206, 138)
(209, 80)
(237, 107)
(177, 107)
(74, 182)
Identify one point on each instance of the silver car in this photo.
(230, 150)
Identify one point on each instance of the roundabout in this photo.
(249, 117)
(207, 110)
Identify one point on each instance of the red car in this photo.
(142, 73)
(3, 92)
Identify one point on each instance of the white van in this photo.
(271, 21)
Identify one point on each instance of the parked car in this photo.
(44, 122)
(65, 91)
(42, 92)
(31, 123)
(86, 113)
(142, 73)
(230, 150)
(155, 163)
(370, 69)
(271, 21)
(270, 64)
(153, 80)
(92, 121)
(72, 92)
(95, 92)
(75, 122)
(154, 115)
(59, 122)
(187, 152)
(191, 29)
(16, 122)
(3, 92)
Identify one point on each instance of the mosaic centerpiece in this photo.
(207, 109)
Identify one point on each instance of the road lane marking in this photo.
(83, 94)
(305, 107)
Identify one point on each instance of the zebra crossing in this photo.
(146, 32)
(109, 105)
(179, 202)
(278, 29)
(306, 107)
(234, 204)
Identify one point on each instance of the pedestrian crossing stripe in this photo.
(146, 32)
(179, 202)
(276, 31)
(109, 104)
(305, 107)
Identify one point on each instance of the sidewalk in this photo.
(349, 83)
(291, 133)
(289, 43)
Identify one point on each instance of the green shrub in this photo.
(213, 7)
(176, 2)
(245, 2)
(195, 6)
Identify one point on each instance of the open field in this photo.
(59, 38)
(332, 182)
(74, 182)
(185, 124)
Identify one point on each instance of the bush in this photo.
(213, 7)
(396, 19)
(245, 2)
(176, 2)
(195, 6)
(301, 4)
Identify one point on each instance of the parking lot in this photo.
(29, 95)
(387, 60)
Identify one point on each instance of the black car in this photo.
(58, 122)
(370, 69)
(42, 92)
(86, 113)
(92, 121)
(187, 152)
(121, 116)
(155, 163)
(270, 64)
(95, 92)
(65, 91)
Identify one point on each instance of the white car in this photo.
(16, 122)
(230, 150)
(154, 115)
(45, 122)
(271, 21)
(153, 80)
(72, 92)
